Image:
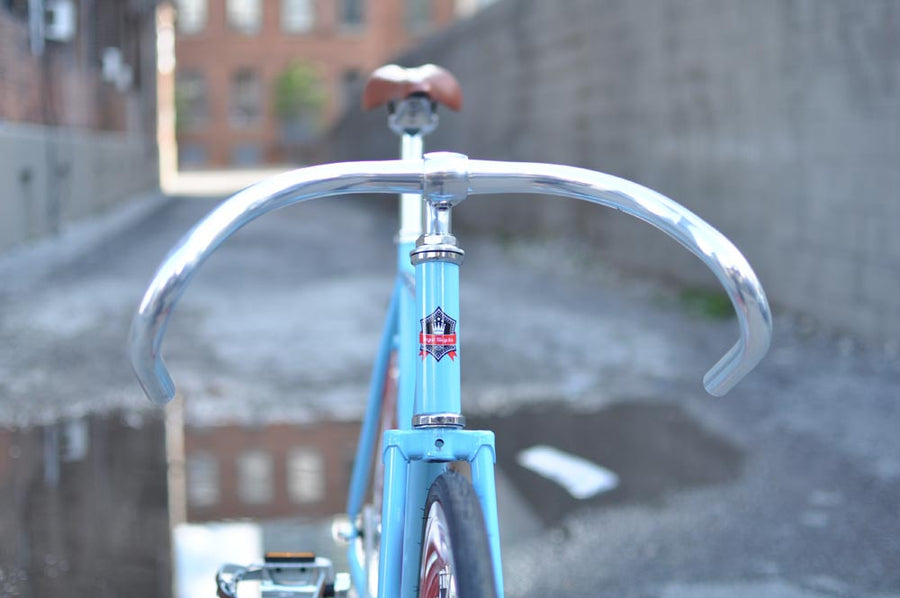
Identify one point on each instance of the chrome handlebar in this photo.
(441, 175)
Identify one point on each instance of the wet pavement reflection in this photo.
(266, 472)
(141, 505)
(144, 505)
(654, 449)
(249, 489)
(83, 508)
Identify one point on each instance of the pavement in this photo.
(787, 487)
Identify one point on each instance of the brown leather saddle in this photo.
(392, 82)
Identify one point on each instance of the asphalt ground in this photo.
(788, 487)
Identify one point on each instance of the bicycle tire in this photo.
(456, 556)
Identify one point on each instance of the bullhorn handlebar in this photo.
(431, 176)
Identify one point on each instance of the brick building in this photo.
(235, 59)
(97, 71)
(77, 110)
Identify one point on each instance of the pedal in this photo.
(286, 575)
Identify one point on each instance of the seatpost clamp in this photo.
(445, 184)
(414, 115)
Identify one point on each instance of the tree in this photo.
(299, 102)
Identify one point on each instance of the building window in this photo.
(305, 476)
(191, 16)
(202, 480)
(18, 8)
(245, 107)
(351, 13)
(191, 105)
(255, 477)
(244, 15)
(246, 154)
(191, 155)
(418, 15)
(351, 87)
(466, 8)
(298, 16)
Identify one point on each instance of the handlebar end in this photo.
(745, 355)
(158, 385)
(155, 379)
(160, 389)
(715, 385)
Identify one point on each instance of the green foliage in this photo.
(182, 118)
(709, 304)
(299, 93)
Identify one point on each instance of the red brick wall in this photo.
(73, 144)
(19, 72)
(64, 86)
(334, 441)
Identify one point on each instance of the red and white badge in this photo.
(438, 336)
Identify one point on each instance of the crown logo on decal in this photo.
(438, 335)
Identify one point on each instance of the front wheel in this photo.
(456, 556)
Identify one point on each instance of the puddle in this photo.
(83, 509)
(275, 486)
(268, 472)
(89, 507)
(653, 449)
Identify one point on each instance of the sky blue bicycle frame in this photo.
(413, 458)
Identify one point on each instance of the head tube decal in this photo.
(438, 336)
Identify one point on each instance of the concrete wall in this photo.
(52, 175)
(778, 121)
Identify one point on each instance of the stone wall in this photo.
(777, 121)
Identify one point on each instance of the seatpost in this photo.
(411, 118)
(410, 203)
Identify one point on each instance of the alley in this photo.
(786, 487)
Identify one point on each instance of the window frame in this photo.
(255, 474)
(295, 482)
(248, 121)
(203, 6)
(312, 17)
(353, 26)
(197, 120)
(233, 21)
(210, 469)
(410, 14)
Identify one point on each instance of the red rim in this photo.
(437, 573)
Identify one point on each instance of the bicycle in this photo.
(455, 551)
